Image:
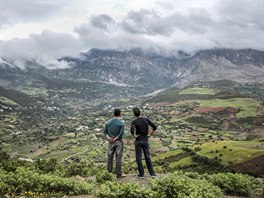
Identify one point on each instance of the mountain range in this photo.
(136, 72)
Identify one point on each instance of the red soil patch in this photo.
(258, 127)
(159, 150)
(260, 110)
(254, 165)
(209, 109)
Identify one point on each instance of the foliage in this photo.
(234, 183)
(124, 190)
(83, 168)
(204, 121)
(24, 179)
(46, 166)
(207, 161)
(9, 164)
(182, 186)
(30, 194)
(104, 176)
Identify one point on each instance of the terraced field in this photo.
(247, 106)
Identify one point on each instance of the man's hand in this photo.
(114, 139)
(150, 133)
(110, 139)
(135, 136)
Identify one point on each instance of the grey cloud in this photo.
(97, 38)
(240, 25)
(139, 22)
(102, 21)
(149, 22)
(165, 5)
(227, 25)
(25, 11)
(44, 48)
(242, 14)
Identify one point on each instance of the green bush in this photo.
(23, 180)
(103, 177)
(234, 183)
(124, 190)
(4, 188)
(82, 168)
(46, 166)
(193, 175)
(182, 186)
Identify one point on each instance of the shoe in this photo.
(140, 176)
(153, 176)
(120, 176)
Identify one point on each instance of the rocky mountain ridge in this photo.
(139, 70)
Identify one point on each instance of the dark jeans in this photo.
(115, 148)
(139, 146)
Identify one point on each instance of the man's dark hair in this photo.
(136, 112)
(117, 112)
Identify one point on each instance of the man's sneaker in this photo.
(120, 176)
(140, 176)
(153, 176)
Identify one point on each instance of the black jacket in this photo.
(140, 127)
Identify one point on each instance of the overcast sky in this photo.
(45, 30)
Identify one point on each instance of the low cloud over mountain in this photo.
(164, 28)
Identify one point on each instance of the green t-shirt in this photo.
(114, 128)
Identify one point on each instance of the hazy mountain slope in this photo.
(16, 96)
(236, 65)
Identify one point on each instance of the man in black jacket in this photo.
(139, 130)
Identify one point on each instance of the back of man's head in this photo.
(136, 112)
(117, 112)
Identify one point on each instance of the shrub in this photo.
(234, 183)
(197, 149)
(193, 175)
(103, 177)
(183, 186)
(23, 180)
(46, 166)
(82, 168)
(124, 190)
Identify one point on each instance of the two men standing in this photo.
(114, 131)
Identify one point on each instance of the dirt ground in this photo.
(255, 165)
(209, 109)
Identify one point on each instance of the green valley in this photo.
(204, 128)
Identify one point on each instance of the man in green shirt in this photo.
(114, 130)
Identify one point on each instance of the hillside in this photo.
(210, 128)
(14, 97)
(222, 89)
(198, 115)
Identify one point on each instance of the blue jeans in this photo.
(139, 146)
